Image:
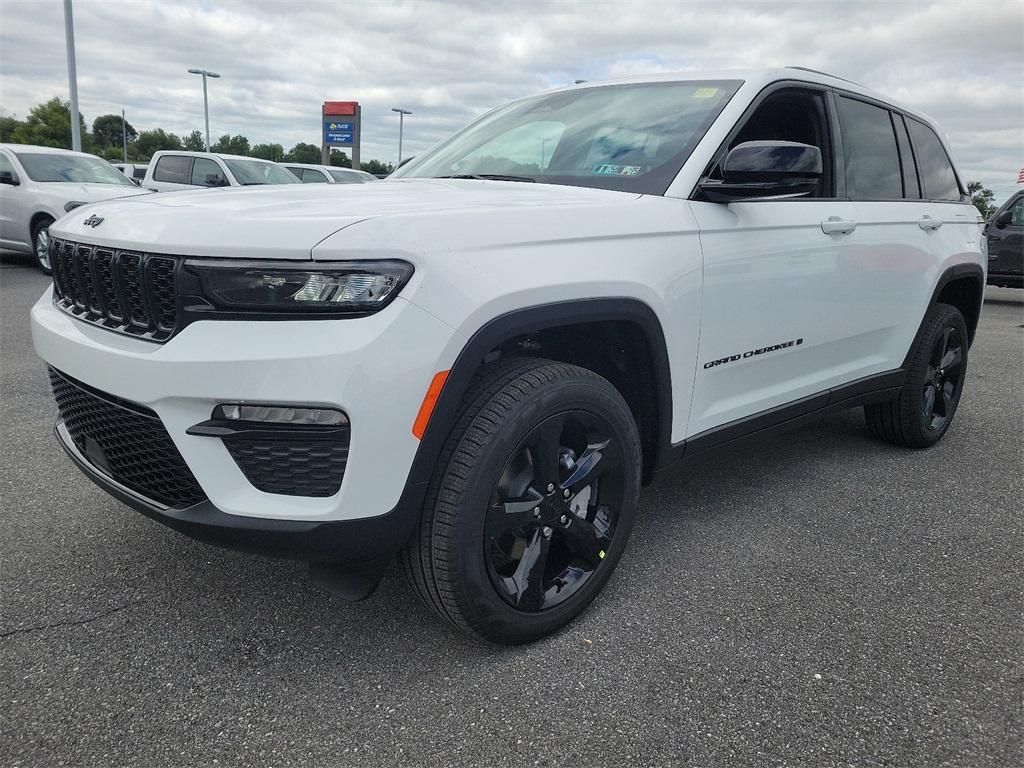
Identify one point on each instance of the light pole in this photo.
(206, 103)
(69, 37)
(124, 137)
(401, 125)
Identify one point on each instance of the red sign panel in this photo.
(340, 107)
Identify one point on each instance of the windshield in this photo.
(632, 137)
(254, 172)
(55, 166)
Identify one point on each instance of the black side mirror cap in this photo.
(763, 169)
(6, 177)
(1003, 219)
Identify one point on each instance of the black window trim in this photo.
(964, 198)
(838, 157)
(894, 115)
(831, 124)
(191, 162)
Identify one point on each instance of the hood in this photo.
(92, 193)
(286, 221)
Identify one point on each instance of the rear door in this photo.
(172, 172)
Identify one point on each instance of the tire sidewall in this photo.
(946, 317)
(472, 579)
(39, 227)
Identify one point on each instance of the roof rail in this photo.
(826, 74)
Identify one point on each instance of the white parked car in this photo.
(38, 185)
(478, 364)
(173, 170)
(328, 174)
(134, 171)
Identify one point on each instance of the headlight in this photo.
(355, 286)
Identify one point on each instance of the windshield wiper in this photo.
(487, 177)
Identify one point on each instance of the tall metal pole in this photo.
(69, 36)
(206, 112)
(206, 103)
(401, 130)
(124, 137)
(401, 126)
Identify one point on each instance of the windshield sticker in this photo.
(605, 169)
(704, 93)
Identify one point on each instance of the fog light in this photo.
(279, 414)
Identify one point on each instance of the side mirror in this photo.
(765, 169)
(6, 177)
(215, 180)
(1004, 219)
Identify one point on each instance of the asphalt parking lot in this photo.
(815, 601)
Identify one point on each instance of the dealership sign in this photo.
(341, 128)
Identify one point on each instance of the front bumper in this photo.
(376, 369)
(345, 541)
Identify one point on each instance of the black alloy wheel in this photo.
(532, 501)
(936, 370)
(943, 377)
(553, 511)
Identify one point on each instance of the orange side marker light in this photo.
(429, 401)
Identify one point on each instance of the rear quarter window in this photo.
(937, 175)
(174, 169)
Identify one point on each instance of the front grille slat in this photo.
(124, 291)
(125, 441)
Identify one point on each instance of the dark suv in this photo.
(1005, 233)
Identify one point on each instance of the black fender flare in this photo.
(955, 272)
(517, 323)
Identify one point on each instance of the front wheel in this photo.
(41, 244)
(532, 502)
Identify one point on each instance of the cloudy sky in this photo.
(959, 61)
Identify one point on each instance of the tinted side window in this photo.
(937, 174)
(139, 172)
(869, 151)
(7, 165)
(175, 169)
(911, 185)
(206, 173)
(312, 176)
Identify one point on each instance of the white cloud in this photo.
(961, 62)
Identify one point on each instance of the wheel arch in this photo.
(503, 334)
(36, 218)
(961, 286)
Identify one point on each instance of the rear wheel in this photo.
(532, 502)
(922, 413)
(41, 244)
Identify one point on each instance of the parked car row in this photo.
(38, 185)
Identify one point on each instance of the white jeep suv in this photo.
(478, 363)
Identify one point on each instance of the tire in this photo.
(924, 409)
(41, 244)
(500, 555)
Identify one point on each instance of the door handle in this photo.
(927, 223)
(833, 225)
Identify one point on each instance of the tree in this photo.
(303, 153)
(231, 145)
(194, 142)
(149, 142)
(340, 159)
(106, 131)
(9, 125)
(48, 125)
(981, 196)
(273, 152)
(377, 168)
